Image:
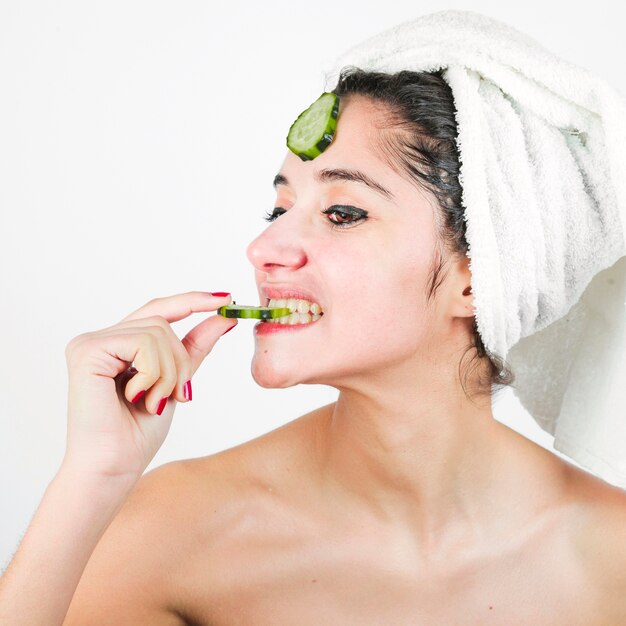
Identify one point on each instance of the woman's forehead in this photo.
(356, 147)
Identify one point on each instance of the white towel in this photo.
(542, 145)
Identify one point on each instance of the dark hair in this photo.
(421, 106)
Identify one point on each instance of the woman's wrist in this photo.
(98, 483)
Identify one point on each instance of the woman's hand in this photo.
(107, 435)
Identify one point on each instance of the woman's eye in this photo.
(345, 212)
(342, 211)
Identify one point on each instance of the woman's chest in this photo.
(331, 580)
(359, 598)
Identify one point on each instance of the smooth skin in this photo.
(401, 503)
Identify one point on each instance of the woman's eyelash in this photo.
(344, 211)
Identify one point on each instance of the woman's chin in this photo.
(270, 377)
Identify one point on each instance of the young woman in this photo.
(403, 502)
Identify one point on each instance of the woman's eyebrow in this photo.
(354, 176)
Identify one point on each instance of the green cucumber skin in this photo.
(263, 313)
(327, 138)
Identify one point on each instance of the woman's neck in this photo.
(435, 464)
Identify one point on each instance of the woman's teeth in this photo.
(302, 311)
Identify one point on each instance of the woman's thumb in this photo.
(199, 341)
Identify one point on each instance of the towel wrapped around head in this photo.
(542, 147)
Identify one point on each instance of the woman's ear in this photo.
(461, 289)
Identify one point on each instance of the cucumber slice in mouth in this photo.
(253, 312)
(314, 128)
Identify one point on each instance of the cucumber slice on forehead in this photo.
(253, 312)
(314, 129)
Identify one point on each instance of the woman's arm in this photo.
(38, 585)
(118, 418)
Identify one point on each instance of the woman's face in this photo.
(369, 276)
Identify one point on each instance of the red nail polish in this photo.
(138, 396)
(220, 294)
(161, 406)
(187, 390)
(228, 330)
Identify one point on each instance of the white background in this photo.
(138, 143)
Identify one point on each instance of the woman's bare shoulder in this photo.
(180, 528)
(599, 536)
(134, 574)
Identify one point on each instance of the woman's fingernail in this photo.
(138, 396)
(161, 406)
(220, 294)
(187, 390)
(228, 330)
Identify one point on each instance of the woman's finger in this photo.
(195, 346)
(160, 388)
(199, 341)
(181, 357)
(188, 352)
(179, 306)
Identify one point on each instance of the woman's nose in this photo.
(279, 244)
